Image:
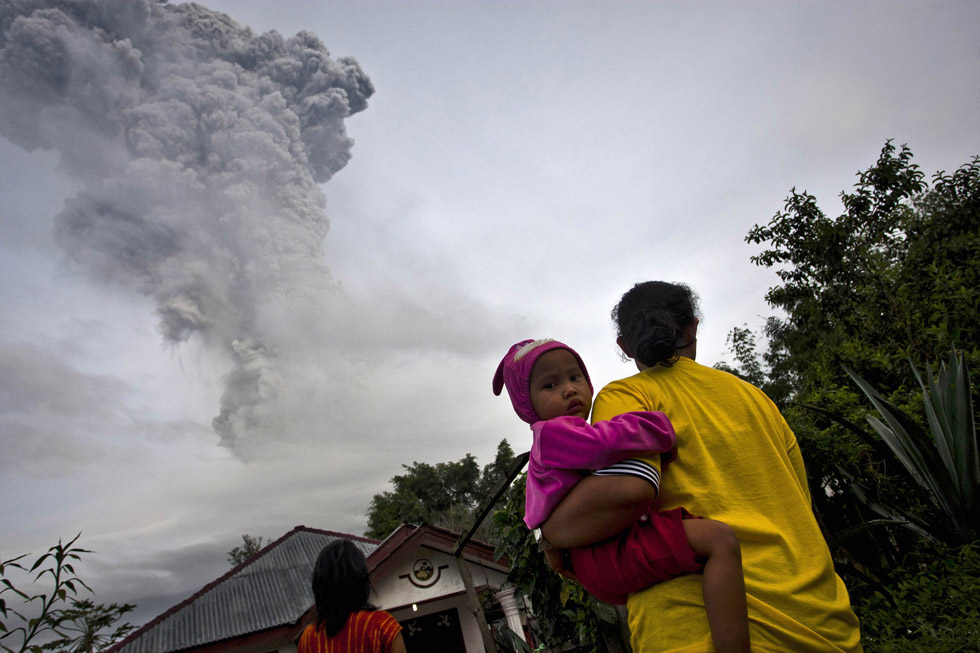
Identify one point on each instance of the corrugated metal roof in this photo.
(269, 590)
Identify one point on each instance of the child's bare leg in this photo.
(724, 585)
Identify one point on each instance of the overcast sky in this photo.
(518, 167)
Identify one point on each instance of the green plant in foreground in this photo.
(64, 581)
(77, 628)
(944, 461)
(564, 612)
(933, 604)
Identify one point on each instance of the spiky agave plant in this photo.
(944, 460)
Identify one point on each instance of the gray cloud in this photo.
(60, 422)
(201, 145)
(171, 575)
(44, 404)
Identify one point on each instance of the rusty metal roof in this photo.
(270, 589)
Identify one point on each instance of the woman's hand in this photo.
(597, 508)
(557, 559)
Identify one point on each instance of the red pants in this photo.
(648, 552)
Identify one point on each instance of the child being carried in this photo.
(550, 389)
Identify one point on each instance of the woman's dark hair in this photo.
(651, 318)
(340, 585)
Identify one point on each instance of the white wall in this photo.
(392, 591)
(444, 590)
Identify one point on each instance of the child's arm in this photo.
(601, 506)
(572, 443)
(597, 508)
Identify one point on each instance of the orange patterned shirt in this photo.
(365, 632)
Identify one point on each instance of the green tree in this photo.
(76, 628)
(444, 494)
(895, 277)
(766, 374)
(248, 548)
(495, 473)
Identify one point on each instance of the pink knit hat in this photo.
(514, 371)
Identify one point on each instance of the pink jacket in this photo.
(566, 448)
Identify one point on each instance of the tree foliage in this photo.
(894, 279)
(896, 276)
(40, 621)
(249, 547)
(763, 374)
(444, 494)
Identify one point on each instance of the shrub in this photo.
(934, 604)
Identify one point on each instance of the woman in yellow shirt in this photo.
(737, 462)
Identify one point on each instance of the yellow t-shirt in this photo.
(739, 463)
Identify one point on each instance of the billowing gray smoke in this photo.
(199, 145)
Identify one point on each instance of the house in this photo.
(263, 604)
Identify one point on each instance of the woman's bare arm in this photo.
(398, 645)
(597, 507)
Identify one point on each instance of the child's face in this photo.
(558, 386)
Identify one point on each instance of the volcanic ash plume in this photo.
(199, 145)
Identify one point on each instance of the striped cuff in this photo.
(633, 467)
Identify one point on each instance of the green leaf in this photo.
(944, 462)
(40, 561)
(937, 414)
(904, 438)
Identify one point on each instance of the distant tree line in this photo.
(444, 494)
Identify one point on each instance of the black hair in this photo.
(341, 585)
(652, 317)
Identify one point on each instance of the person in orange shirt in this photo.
(345, 621)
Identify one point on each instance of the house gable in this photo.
(415, 565)
(266, 596)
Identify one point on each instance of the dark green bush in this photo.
(934, 604)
